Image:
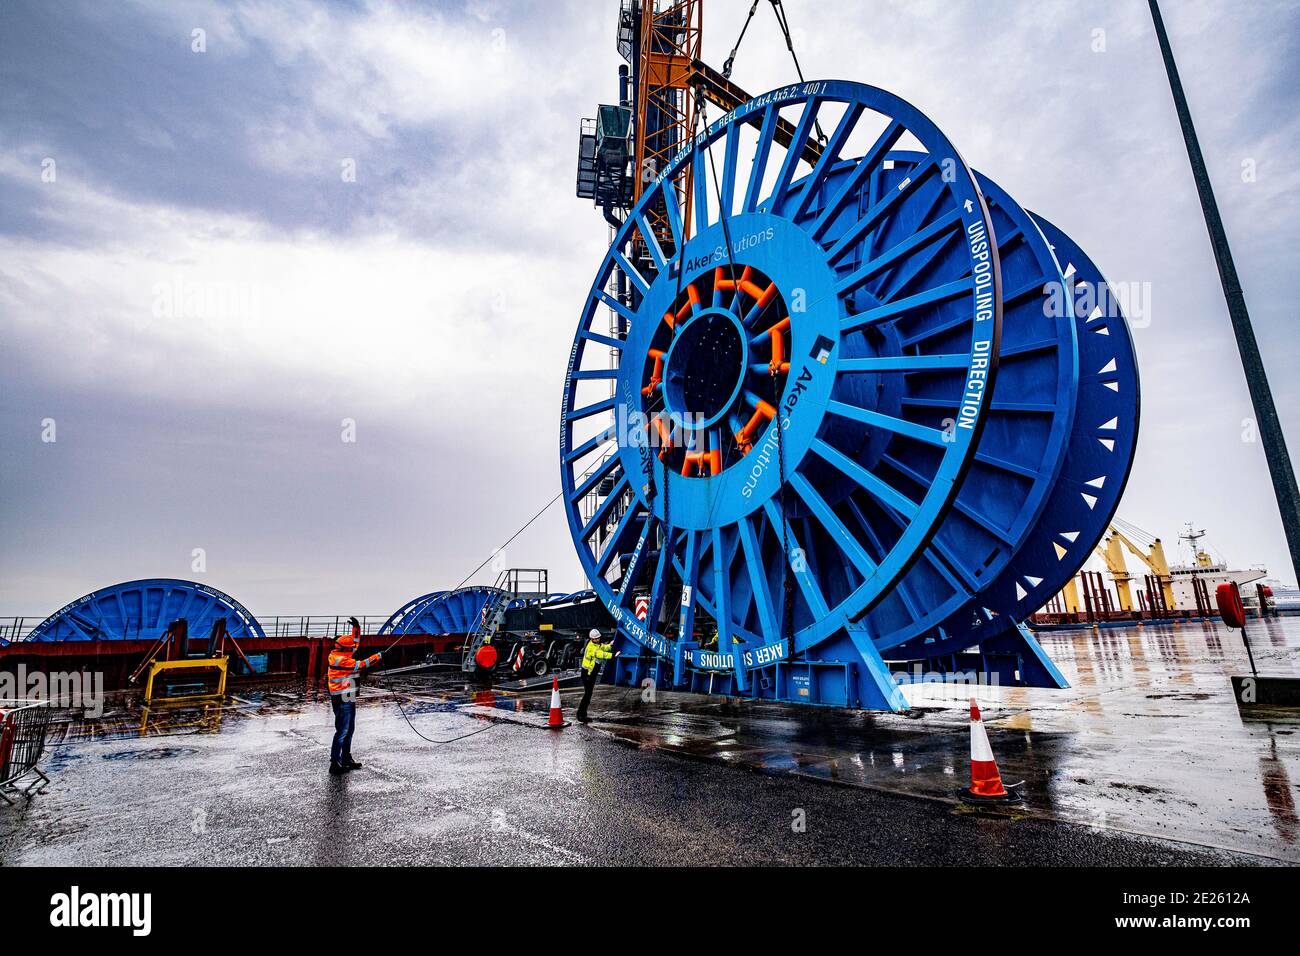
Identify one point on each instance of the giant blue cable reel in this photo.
(838, 413)
(142, 611)
(459, 611)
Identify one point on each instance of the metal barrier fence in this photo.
(23, 725)
(15, 630)
(307, 625)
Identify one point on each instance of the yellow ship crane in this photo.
(1112, 552)
(1152, 555)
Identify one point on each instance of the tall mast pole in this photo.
(1261, 397)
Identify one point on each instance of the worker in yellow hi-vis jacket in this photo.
(598, 649)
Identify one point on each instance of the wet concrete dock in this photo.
(1147, 740)
(1145, 760)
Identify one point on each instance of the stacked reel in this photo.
(839, 412)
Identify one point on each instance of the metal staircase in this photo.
(513, 583)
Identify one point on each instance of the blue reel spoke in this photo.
(625, 593)
(590, 445)
(887, 310)
(605, 405)
(905, 363)
(602, 512)
(830, 155)
(943, 227)
(793, 155)
(727, 189)
(631, 271)
(874, 485)
(805, 579)
(899, 426)
(766, 134)
(700, 177)
(606, 340)
(901, 276)
(651, 240)
(609, 301)
(722, 590)
(612, 549)
(852, 184)
(582, 375)
(758, 581)
(839, 533)
(1010, 467)
(674, 212)
(595, 478)
(690, 571)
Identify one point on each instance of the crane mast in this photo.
(666, 101)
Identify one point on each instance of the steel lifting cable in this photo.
(723, 215)
(731, 60)
(700, 117)
(521, 530)
(784, 23)
(526, 525)
(789, 45)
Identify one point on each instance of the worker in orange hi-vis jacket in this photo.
(344, 669)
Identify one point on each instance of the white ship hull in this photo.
(1213, 576)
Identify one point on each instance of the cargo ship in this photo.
(1204, 569)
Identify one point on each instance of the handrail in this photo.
(16, 628)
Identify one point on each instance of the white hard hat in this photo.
(594, 635)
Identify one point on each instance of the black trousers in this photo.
(588, 685)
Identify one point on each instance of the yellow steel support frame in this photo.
(670, 44)
(209, 717)
(1113, 555)
(197, 663)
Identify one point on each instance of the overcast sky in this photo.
(196, 299)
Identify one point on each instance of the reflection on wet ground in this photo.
(1148, 740)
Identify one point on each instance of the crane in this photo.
(664, 89)
(1111, 551)
(1153, 556)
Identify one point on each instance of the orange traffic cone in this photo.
(557, 713)
(985, 781)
